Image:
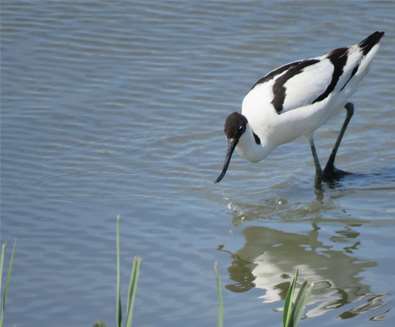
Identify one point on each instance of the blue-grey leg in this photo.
(318, 170)
(330, 172)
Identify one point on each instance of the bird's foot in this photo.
(332, 174)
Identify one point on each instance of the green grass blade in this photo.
(8, 278)
(134, 277)
(300, 303)
(118, 305)
(7, 282)
(220, 314)
(289, 300)
(2, 255)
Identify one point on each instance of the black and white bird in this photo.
(297, 98)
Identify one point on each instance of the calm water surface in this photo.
(117, 108)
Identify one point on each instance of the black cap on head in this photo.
(235, 125)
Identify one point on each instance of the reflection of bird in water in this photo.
(296, 99)
(269, 258)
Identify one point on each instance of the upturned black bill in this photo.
(231, 147)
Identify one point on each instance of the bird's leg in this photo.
(318, 170)
(330, 171)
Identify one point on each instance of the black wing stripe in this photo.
(338, 58)
(279, 88)
(274, 73)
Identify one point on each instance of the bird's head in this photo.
(235, 127)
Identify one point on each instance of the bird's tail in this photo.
(368, 48)
(367, 44)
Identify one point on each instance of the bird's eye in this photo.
(241, 127)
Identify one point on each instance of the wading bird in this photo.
(294, 100)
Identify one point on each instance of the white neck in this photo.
(249, 149)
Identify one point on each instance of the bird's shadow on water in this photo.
(276, 242)
(268, 259)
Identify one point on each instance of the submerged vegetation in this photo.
(4, 292)
(294, 305)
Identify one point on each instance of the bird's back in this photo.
(309, 81)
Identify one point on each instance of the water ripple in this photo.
(117, 108)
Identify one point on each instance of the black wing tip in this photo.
(367, 44)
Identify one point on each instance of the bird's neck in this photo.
(248, 148)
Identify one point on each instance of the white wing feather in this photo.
(305, 87)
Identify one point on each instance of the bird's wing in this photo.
(302, 84)
(294, 85)
(313, 80)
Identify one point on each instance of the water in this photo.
(117, 108)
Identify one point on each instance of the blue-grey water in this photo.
(117, 107)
